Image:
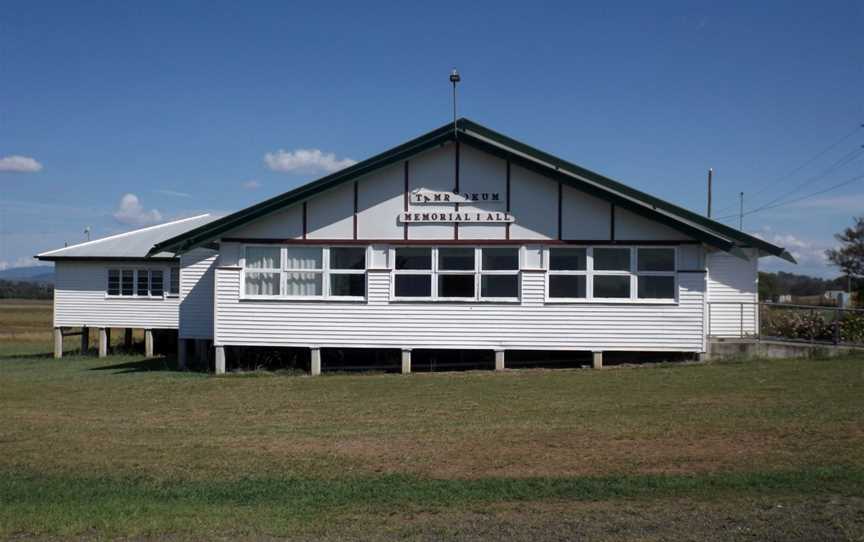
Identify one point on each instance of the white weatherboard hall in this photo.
(464, 238)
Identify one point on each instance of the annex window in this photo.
(568, 272)
(262, 275)
(611, 273)
(655, 273)
(135, 283)
(113, 282)
(174, 281)
(499, 274)
(348, 271)
(413, 272)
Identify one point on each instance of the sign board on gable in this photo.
(457, 216)
(422, 195)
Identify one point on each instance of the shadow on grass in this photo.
(141, 365)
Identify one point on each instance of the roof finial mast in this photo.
(454, 78)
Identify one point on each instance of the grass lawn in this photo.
(128, 447)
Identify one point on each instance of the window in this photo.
(568, 270)
(456, 273)
(143, 282)
(262, 271)
(348, 271)
(135, 282)
(157, 287)
(413, 274)
(611, 273)
(113, 282)
(305, 272)
(127, 280)
(499, 276)
(656, 273)
(304, 275)
(174, 281)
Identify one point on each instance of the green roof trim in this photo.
(475, 135)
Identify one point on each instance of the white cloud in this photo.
(22, 262)
(251, 184)
(19, 164)
(130, 211)
(174, 193)
(306, 161)
(809, 254)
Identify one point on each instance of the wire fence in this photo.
(787, 322)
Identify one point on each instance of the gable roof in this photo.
(131, 245)
(468, 132)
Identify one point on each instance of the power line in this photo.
(848, 158)
(796, 200)
(806, 163)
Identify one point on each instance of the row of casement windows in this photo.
(142, 282)
(461, 273)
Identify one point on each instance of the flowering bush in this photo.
(816, 324)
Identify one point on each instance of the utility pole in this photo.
(710, 177)
(741, 211)
(454, 78)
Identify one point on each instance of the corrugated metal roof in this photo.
(132, 244)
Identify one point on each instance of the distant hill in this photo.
(36, 273)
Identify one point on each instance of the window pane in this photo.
(258, 283)
(262, 257)
(567, 286)
(174, 286)
(455, 285)
(612, 286)
(568, 259)
(304, 258)
(656, 259)
(348, 258)
(413, 286)
(612, 259)
(143, 282)
(126, 280)
(348, 285)
(501, 259)
(113, 282)
(657, 287)
(499, 285)
(456, 259)
(414, 258)
(156, 284)
(304, 284)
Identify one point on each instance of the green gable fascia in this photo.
(716, 234)
(747, 240)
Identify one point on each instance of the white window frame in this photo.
(590, 273)
(673, 274)
(477, 273)
(324, 271)
(547, 255)
(135, 275)
(168, 292)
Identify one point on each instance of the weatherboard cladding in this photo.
(80, 298)
(733, 294)
(479, 137)
(196, 293)
(530, 324)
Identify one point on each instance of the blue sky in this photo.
(180, 104)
